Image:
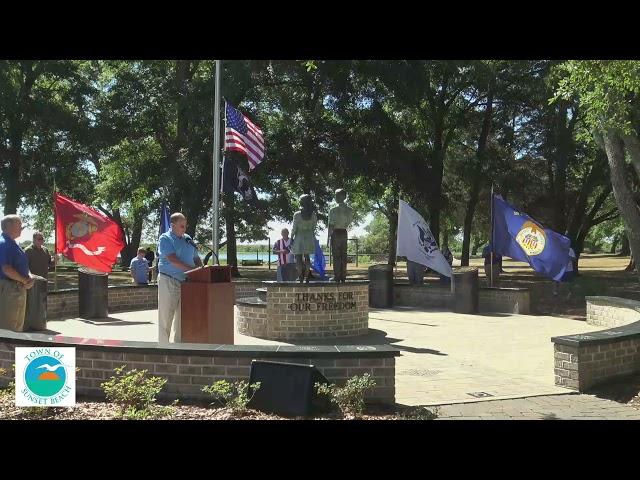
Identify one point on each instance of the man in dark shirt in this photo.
(39, 258)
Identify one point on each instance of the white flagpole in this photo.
(216, 161)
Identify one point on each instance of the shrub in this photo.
(419, 413)
(350, 398)
(135, 394)
(10, 389)
(233, 395)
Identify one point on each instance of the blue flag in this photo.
(165, 216)
(517, 235)
(319, 262)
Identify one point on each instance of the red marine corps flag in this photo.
(86, 236)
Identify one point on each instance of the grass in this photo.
(600, 274)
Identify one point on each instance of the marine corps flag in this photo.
(86, 236)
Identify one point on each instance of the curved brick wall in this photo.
(188, 367)
(307, 311)
(612, 311)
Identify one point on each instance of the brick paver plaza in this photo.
(489, 366)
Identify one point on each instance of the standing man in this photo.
(150, 256)
(340, 217)
(15, 279)
(282, 248)
(39, 258)
(139, 268)
(177, 254)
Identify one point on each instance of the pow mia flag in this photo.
(235, 180)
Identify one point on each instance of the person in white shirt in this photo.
(282, 248)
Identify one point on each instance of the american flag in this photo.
(242, 135)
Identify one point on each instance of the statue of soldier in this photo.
(303, 236)
(340, 217)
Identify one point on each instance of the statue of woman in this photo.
(303, 236)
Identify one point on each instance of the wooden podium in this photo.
(208, 298)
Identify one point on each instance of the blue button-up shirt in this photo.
(11, 254)
(183, 247)
(140, 270)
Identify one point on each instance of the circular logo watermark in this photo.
(531, 238)
(45, 376)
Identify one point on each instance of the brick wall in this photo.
(505, 300)
(423, 296)
(188, 371)
(612, 311)
(246, 289)
(64, 303)
(580, 367)
(279, 322)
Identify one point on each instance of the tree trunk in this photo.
(391, 212)
(12, 184)
(632, 265)
(477, 176)
(564, 150)
(622, 191)
(229, 218)
(625, 251)
(468, 221)
(393, 226)
(445, 239)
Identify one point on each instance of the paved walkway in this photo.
(447, 358)
(485, 367)
(553, 407)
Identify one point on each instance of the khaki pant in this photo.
(169, 309)
(13, 305)
(339, 252)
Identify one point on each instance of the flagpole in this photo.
(55, 239)
(492, 243)
(216, 162)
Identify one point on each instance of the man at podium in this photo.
(177, 253)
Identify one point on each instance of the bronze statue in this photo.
(340, 217)
(303, 236)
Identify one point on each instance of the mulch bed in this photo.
(87, 409)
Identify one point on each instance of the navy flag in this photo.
(517, 235)
(235, 180)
